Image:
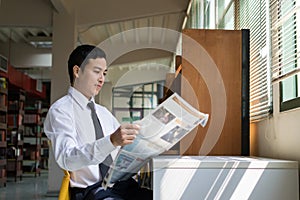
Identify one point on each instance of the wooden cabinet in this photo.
(3, 130)
(215, 79)
(15, 133)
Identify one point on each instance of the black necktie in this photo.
(104, 166)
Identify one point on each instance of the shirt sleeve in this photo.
(60, 128)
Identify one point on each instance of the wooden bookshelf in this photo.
(33, 138)
(20, 128)
(15, 133)
(3, 130)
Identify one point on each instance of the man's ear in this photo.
(76, 71)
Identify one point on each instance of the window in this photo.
(285, 51)
(133, 102)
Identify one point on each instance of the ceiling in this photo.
(31, 21)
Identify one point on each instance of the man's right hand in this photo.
(125, 134)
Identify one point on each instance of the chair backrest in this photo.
(64, 193)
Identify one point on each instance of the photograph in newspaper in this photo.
(160, 130)
(174, 134)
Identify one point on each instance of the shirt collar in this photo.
(79, 97)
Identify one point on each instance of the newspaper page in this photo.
(160, 130)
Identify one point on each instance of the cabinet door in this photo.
(212, 82)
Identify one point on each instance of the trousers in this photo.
(121, 190)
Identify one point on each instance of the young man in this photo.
(71, 128)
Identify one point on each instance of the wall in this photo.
(105, 96)
(277, 137)
(25, 55)
(20, 13)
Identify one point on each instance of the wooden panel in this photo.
(224, 48)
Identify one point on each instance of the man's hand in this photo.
(125, 134)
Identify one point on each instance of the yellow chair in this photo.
(64, 193)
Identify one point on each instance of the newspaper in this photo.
(160, 130)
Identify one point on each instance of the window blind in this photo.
(252, 15)
(285, 38)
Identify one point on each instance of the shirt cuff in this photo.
(104, 147)
(109, 143)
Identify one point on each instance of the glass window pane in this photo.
(225, 14)
(289, 89)
(148, 88)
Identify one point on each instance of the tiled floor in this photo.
(29, 188)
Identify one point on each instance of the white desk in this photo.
(224, 177)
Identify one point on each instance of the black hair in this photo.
(80, 56)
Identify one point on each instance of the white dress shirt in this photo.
(70, 128)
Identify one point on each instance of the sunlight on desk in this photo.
(224, 177)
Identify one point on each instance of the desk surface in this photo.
(224, 177)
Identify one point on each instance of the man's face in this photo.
(90, 80)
